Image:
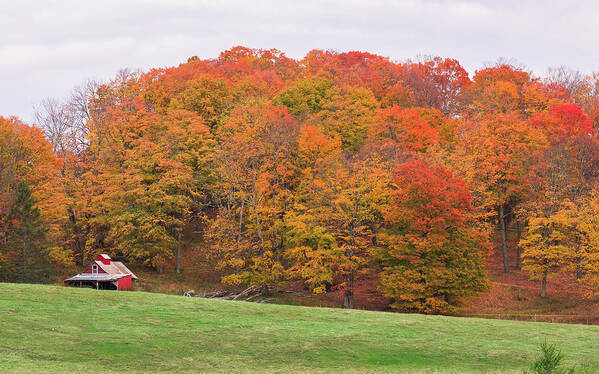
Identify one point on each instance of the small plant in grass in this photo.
(549, 362)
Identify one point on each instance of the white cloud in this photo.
(47, 47)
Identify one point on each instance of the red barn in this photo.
(104, 274)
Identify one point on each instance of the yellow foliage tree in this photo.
(548, 244)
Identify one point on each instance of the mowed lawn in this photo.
(48, 329)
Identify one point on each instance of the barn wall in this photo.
(125, 283)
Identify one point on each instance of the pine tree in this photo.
(26, 238)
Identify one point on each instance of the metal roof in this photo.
(96, 277)
(116, 268)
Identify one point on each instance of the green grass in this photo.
(47, 329)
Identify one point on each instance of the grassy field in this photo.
(48, 329)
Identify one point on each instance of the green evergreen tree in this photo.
(26, 238)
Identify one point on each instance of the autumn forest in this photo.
(327, 170)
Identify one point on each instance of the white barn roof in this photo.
(115, 268)
(101, 277)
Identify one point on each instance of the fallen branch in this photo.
(216, 294)
(248, 294)
(251, 291)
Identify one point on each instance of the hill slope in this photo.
(47, 329)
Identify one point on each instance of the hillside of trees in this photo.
(327, 171)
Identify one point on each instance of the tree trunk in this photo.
(178, 264)
(240, 222)
(519, 250)
(24, 259)
(506, 266)
(348, 294)
(544, 285)
(198, 231)
(348, 299)
(579, 269)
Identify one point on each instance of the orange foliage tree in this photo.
(335, 215)
(256, 171)
(492, 156)
(145, 182)
(29, 178)
(431, 251)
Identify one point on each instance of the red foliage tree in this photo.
(562, 122)
(432, 254)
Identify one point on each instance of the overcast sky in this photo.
(47, 47)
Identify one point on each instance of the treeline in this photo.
(328, 170)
